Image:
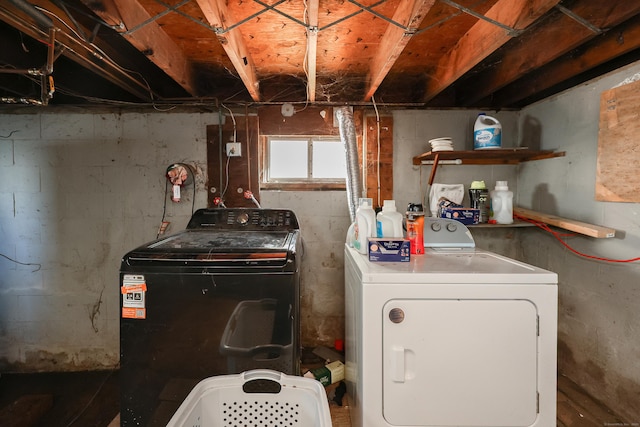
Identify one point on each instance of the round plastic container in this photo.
(479, 198)
(365, 225)
(487, 133)
(502, 204)
(389, 221)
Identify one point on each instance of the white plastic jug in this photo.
(487, 133)
(365, 225)
(502, 204)
(389, 221)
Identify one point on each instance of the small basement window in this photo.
(303, 163)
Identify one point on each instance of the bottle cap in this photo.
(478, 185)
(389, 205)
(365, 201)
(414, 207)
(502, 185)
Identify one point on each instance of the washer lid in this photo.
(215, 240)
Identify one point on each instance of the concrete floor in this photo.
(91, 399)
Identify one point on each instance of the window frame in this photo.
(295, 184)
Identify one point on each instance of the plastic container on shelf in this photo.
(389, 221)
(501, 204)
(415, 228)
(365, 225)
(487, 133)
(255, 397)
(479, 198)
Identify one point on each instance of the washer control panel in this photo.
(244, 218)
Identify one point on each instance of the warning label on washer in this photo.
(133, 292)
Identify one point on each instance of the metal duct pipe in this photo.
(41, 19)
(348, 137)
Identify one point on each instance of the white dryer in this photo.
(455, 337)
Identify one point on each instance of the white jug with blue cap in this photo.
(487, 133)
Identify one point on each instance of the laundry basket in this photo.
(256, 398)
(248, 338)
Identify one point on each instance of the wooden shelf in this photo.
(502, 156)
(587, 229)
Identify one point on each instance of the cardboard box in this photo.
(329, 374)
(389, 250)
(466, 216)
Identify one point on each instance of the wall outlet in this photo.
(234, 149)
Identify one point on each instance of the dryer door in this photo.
(460, 362)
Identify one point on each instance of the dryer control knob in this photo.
(452, 227)
(435, 226)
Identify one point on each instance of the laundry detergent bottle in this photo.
(365, 225)
(389, 221)
(501, 204)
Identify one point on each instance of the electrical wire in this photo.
(164, 208)
(234, 121)
(101, 52)
(226, 185)
(23, 263)
(559, 236)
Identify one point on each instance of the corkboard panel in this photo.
(618, 168)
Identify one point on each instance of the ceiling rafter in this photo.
(312, 48)
(80, 51)
(139, 28)
(218, 15)
(525, 56)
(409, 14)
(483, 39)
(616, 42)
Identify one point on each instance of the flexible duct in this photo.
(348, 137)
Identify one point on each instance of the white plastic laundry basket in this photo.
(255, 398)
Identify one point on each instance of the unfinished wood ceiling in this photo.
(432, 53)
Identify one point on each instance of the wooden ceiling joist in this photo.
(127, 16)
(483, 39)
(218, 15)
(410, 14)
(83, 53)
(558, 36)
(312, 48)
(616, 42)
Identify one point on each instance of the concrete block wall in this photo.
(599, 319)
(78, 190)
(324, 220)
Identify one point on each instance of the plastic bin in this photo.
(255, 398)
(248, 335)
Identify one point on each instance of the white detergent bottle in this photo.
(502, 204)
(487, 133)
(389, 221)
(365, 225)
